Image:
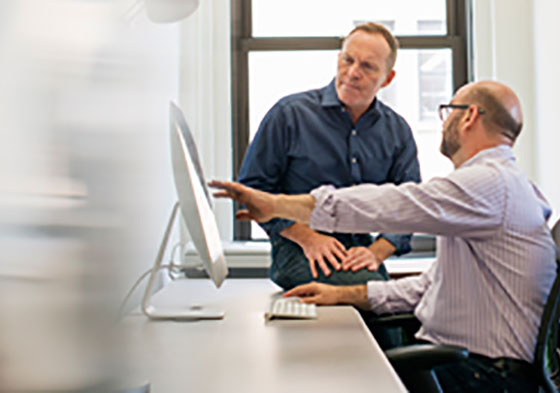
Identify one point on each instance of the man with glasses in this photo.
(342, 135)
(495, 256)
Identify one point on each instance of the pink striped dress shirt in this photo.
(495, 255)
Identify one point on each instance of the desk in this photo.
(243, 353)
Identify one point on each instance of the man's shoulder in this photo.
(484, 170)
(307, 97)
(393, 120)
(386, 110)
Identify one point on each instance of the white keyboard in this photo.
(290, 308)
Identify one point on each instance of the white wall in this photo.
(205, 94)
(503, 51)
(516, 43)
(547, 87)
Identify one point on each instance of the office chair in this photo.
(415, 363)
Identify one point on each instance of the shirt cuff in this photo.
(323, 216)
(377, 296)
(275, 226)
(401, 242)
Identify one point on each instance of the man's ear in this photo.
(471, 114)
(389, 78)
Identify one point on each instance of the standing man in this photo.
(340, 135)
(495, 255)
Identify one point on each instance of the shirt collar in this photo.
(330, 98)
(500, 151)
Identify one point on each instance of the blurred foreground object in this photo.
(85, 184)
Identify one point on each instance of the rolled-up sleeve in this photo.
(323, 216)
(467, 202)
(397, 296)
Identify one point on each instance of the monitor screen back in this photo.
(193, 198)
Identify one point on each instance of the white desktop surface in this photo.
(245, 353)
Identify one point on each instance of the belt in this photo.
(508, 366)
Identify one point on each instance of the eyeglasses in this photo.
(445, 110)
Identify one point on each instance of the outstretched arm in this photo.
(262, 206)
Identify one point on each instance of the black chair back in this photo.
(547, 358)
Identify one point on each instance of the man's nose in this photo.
(355, 71)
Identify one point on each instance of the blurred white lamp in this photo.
(168, 11)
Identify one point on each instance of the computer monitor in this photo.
(198, 215)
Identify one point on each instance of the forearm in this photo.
(297, 233)
(355, 295)
(401, 242)
(382, 249)
(294, 207)
(397, 296)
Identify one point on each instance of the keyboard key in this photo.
(290, 308)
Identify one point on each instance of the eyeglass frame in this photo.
(443, 107)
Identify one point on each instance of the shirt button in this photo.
(354, 160)
(354, 132)
(343, 109)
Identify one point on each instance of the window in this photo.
(289, 38)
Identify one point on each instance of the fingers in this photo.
(357, 261)
(243, 215)
(334, 263)
(313, 268)
(339, 250)
(308, 293)
(360, 265)
(360, 258)
(311, 299)
(324, 267)
(314, 292)
(302, 290)
(322, 250)
(349, 259)
(224, 185)
(227, 189)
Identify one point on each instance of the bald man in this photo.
(495, 256)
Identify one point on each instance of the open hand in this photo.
(360, 257)
(260, 204)
(317, 293)
(320, 249)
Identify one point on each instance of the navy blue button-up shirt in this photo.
(308, 139)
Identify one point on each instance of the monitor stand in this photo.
(187, 313)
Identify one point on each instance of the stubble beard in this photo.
(450, 140)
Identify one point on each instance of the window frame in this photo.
(458, 39)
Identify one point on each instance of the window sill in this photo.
(251, 255)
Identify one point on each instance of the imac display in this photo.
(199, 218)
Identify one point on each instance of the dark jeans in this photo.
(290, 267)
(482, 375)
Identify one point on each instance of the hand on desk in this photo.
(326, 295)
(317, 293)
